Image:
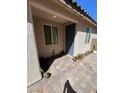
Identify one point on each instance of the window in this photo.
(47, 34)
(88, 35)
(51, 34)
(55, 35)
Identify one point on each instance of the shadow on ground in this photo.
(45, 63)
(68, 88)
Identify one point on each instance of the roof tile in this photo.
(75, 6)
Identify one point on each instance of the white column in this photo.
(33, 68)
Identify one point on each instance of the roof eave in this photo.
(79, 11)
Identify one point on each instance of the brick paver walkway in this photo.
(70, 77)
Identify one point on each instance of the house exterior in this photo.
(56, 26)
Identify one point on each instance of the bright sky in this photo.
(90, 6)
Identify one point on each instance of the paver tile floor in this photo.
(68, 76)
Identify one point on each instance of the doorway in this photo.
(69, 39)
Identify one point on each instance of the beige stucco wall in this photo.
(79, 41)
(46, 50)
(54, 7)
(80, 46)
(33, 70)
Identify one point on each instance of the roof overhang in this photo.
(78, 13)
(62, 9)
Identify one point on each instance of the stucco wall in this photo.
(33, 70)
(80, 46)
(46, 50)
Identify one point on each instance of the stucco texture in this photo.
(43, 49)
(33, 70)
(80, 45)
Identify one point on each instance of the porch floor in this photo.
(45, 63)
(69, 77)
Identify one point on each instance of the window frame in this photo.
(51, 34)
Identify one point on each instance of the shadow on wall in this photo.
(68, 88)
